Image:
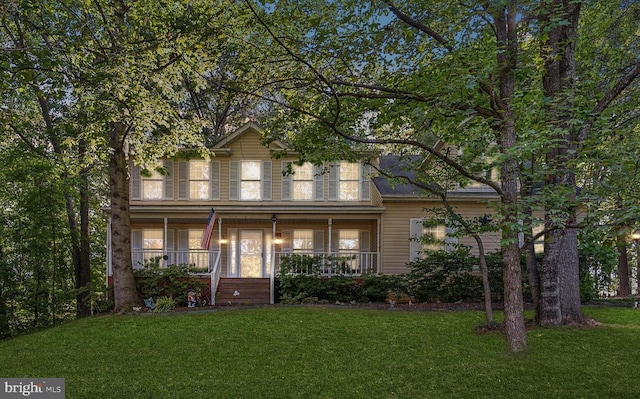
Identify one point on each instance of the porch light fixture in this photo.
(274, 218)
(278, 239)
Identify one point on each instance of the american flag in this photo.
(206, 234)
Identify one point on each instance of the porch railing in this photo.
(348, 263)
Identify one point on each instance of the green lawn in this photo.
(297, 352)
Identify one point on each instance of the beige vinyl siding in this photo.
(396, 231)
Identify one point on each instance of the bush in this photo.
(377, 288)
(173, 282)
(307, 289)
(445, 276)
(300, 281)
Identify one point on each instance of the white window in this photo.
(152, 239)
(302, 241)
(434, 237)
(438, 237)
(152, 246)
(152, 187)
(155, 183)
(147, 247)
(250, 172)
(348, 240)
(303, 182)
(199, 179)
(349, 181)
(250, 180)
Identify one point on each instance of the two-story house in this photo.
(337, 211)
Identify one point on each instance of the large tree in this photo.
(493, 80)
(571, 118)
(40, 113)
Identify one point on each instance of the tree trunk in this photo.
(488, 307)
(124, 287)
(559, 278)
(569, 276)
(507, 43)
(512, 273)
(83, 269)
(550, 314)
(513, 303)
(623, 266)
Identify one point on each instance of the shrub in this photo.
(377, 288)
(444, 276)
(173, 282)
(300, 281)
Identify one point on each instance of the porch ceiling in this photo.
(254, 221)
(254, 214)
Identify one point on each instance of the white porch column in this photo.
(165, 234)
(330, 240)
(379, 245)
(272, 276)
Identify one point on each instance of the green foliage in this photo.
(173, 282)
(300, 280)
(312, 289)
(598, 264)
(377, 288)
(444, 276)
(164, 304)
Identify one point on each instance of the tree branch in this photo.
(421, 27)
(606, 100)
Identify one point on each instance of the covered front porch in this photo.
(258, 246)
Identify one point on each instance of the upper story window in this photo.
(250, 173)
(156, 183)
(434, 237)
(152, 185)
(199, 179)
(250, 180)
(303, 182)
(349, 175)
(349, 181)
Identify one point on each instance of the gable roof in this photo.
(236, 134)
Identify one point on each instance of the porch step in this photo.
(248, 291)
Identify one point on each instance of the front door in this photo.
(251, 253)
